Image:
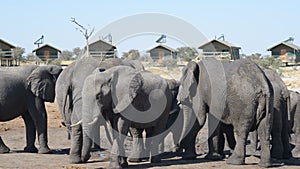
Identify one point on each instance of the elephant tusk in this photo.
(93, 122)
(76, 124)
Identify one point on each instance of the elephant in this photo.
(23, 91)
(280, 129)
(69, 98)
(127, 98)
(236, 93)
(295, 120)
(174, 125)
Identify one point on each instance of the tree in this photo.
(86, 33)
(18, 53)
(30, 57)
(77, 52)
(66, 55)
(186, 53)
(132, 54)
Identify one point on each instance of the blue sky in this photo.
(254, 25)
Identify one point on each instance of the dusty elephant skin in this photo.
(237, 93)
(69, 98)
(127, 98)
(29, 87)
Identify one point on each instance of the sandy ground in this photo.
(13, 134)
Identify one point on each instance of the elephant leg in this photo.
(96, 136)
(264, 135)
(285, 136)
(189, 141)
(277, 146)
(216, 139)
(76, 145)
(229, 132)
(3, 147)
(238, 155)
(38, 114)
(30, 134)
(117, 155)
(137, 145)
(156, 137)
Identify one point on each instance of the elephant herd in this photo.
(239, 99)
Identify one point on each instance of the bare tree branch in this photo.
(85, 33)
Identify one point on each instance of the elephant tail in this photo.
(269, 111)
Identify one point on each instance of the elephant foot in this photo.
(155, 159)
(265, 163)
(235, 160)
(287, 155)
(84, 159)
(135, 160)
(44, 150)
(277, 152)
(214, 156)
(189, 156)
(31, 149)
(74, 159)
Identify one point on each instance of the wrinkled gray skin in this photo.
(295, 120)
(69, 98)
(174, 125)
(120, 94)
(280, 129)
(243, 101)
(29, 87)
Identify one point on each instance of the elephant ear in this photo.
(41, 82)
(125, 85)
(188, 82)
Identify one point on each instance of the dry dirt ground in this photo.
(13, 134)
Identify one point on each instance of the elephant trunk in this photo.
(188, 120)
(90, 116)
(87, 142)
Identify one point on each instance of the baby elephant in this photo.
(23, 91)
(127, 98)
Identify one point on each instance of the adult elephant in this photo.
(236, 93)
(280, 129)
(69, 98)
(127, 98)
(23, 91)
(295, 120)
